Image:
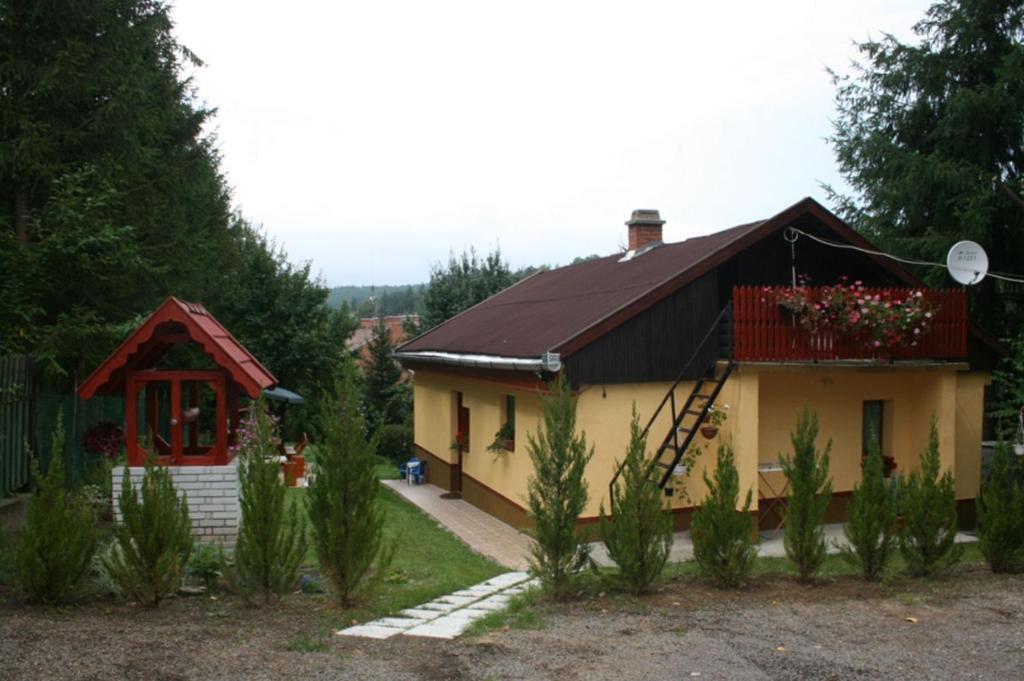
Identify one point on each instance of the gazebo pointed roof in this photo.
(175, 322)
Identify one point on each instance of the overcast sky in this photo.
(372, 138)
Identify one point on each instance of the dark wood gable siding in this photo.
(656, 344)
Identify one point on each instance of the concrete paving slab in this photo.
(421, 614)
(439, 606)
(370, 631)
(458, 601)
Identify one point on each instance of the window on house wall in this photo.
(872, 424)
(508, 426)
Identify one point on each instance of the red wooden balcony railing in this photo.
(763, 331)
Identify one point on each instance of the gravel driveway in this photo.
(967, 626)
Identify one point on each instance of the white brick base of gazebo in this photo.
(212, 493)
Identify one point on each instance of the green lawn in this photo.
(429, 561)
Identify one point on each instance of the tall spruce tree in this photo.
(928, 135)
(810, 491)
(723, 545)
(343, 499)
(383, 374)
(639, 533)
(871, 532)
(557, 491)
(271, 537)
(1001, 515)
(928, 502)
(58, 541)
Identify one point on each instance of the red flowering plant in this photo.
(104, 439)
(459, 443)
(883, 318)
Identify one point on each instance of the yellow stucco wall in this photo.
(763, 404)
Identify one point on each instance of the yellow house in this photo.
(720, 325)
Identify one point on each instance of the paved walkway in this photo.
(509, 547)
(481, 531)
(448, 616)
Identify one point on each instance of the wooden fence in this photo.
(15, 422)
(764, 332)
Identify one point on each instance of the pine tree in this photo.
(1001, 516)
(557, 491)
(928, 501)
(382, 379)
(343, 500)
(58, 542)
(870, 529)
(153, 539)
(928, 137)
(810, 491)
(723, 545)
(639, 533)
(271, 539)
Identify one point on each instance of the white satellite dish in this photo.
(967, 263)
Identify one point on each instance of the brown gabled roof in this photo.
(548, 310)
(176, 321)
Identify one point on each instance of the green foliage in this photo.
(383, 394)
(464, 282)
(396, 442)
(871, 531)
(207, 564)
(343, 499)
(271, 540)
(928, 502)
(810, 491)
(369, 301)
(557, 491)
(928, 135)
(639, 533)
(153, 538)
(57, 544)
(723, 545)
(1008, 385)
(1001, 515)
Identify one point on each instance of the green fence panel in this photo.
(15, 422)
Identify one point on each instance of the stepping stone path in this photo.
(448, 616)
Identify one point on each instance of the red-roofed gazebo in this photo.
(180, 416)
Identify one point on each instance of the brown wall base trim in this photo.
(438, 470)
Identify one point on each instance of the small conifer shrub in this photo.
(810, 491)
(343, 499)
(56, 547)
(639, 533)
(153, 538)
(1001, 515)
(871, 532)
(271, 537)
(557, 492)
(723, 543)
(928, 501)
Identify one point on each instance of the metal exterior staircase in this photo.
(691, 408)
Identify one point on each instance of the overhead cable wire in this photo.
(1014, 278)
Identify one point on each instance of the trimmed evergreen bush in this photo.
(870, 529)
(928, 501)
(1001, 515)
(723, 543)
(153, 539)
(56, 547)
(344, 511)
(395, 442)
(639, 533)
(810, 491)
(557, 491)
(271, 538)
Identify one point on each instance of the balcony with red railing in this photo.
(848, 322)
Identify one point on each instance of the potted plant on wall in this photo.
(459, 443)
(713, 421)
(504, 440)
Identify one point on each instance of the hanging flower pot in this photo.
(1018, 449)
(709, 431)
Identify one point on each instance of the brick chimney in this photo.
(644, 228)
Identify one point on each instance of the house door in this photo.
(462, 438)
